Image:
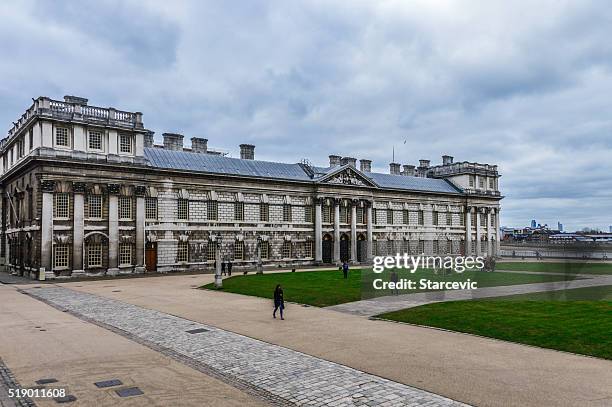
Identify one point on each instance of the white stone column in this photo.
(489, 232)
(468, 231)
(113, 229)
(336, 231)
(318, 231)
(478, 236)
(46, 229)
(370, 220)
(140, 229)
(354, 231)
(78, 228)
(497, 236)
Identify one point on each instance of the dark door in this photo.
(328, 247)
(361, 250)
(345, 248)
(151, 256)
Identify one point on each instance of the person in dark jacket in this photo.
(222, 268)
(345, 269)
(279, 301)
(229, 268)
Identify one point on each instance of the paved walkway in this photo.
(280, 374)
(384, 304)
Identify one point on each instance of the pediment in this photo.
(348, 176)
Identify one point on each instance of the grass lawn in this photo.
(561, 267)
(325, 288)
(576, 325)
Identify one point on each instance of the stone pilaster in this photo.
(140, 228)
(354, 231)
(478, 234)
(318, 231)
(497, 237)
(468, 231)
(78, 229)
(336, 231)
(46, 228)
(113, 228)
(490, 213)
(370, 221)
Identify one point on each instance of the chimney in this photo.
(394, 168)
(366, 165)
(77, 100)
(408, 170)
(424, 163)
(148, 139)
(349, 160)
(173, 141)
(334, 160)
(247, 151)
(199, 145)
(447, 159)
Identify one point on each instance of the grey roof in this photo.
(215, 164)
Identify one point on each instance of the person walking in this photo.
(229, 268)
(279, 301)
(345, 269)
(223, 268)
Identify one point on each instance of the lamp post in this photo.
(218, 279)
(259, 265)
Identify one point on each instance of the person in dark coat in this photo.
(229, 268)
(345, 269)
(222, 268)
(279, 301)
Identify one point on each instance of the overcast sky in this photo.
(524, 85)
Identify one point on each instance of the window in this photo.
(286, 213)
(94, 255)
(491, 183)
(60, 256)
(462, 219)
(406, 246)
(436, 247)
(390, 250)
(483, 220)
(344, 218)
(492, 220)
(434, 218)
(308, 249)
(125, 143)
(481, 182)
(308, 214)
(238, 211)
(182, 209)
(405, 217)
(150, 208)
(62, 205)
(286, 250)
(359, 214)
(61, 137)
(389, 216)
(449, 218)
(483, 246)
(326, 214)
(31, 138)
(31, 205)
(239, 251)
(264, 250)
(211, 210)
(264, 212)
(211, 253)
(473, 219)
(182, 252)
(125, 254)
(421, 248)
(95, 140)
(421, 218)
(125, 207)
(95, 206)
(472, 180)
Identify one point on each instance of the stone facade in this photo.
(82, 195)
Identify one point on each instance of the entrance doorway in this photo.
(328, 248)
(151, 256)
(362, 247)
(345, 248)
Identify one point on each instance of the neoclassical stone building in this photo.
(86, 192)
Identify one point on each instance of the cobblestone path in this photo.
(279, 375)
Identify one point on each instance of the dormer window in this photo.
(61, 137)
(125, 143)
(95, 140)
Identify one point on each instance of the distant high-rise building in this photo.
(533, 223)
(560, 226)
(610, 228)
